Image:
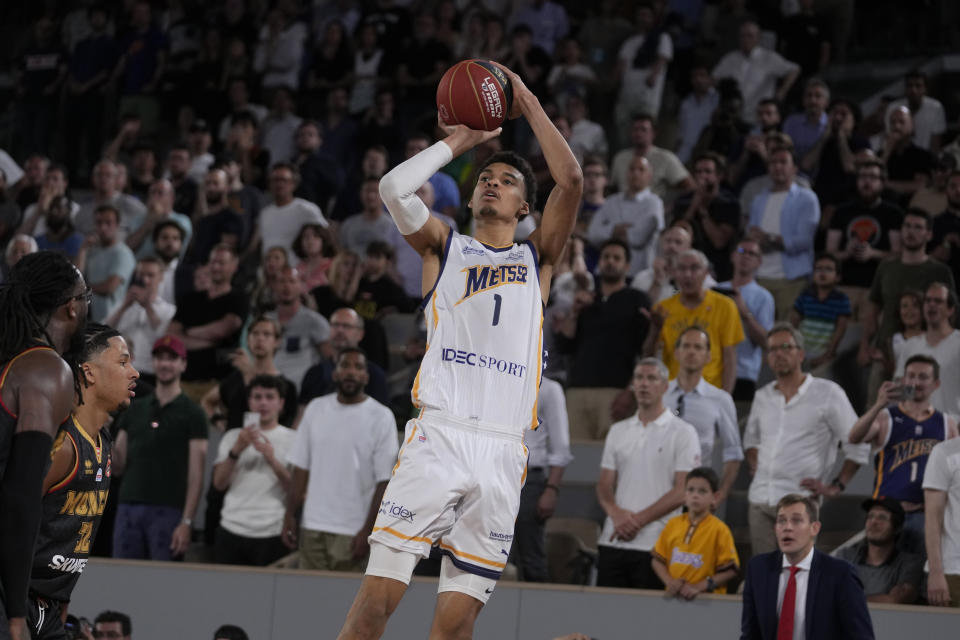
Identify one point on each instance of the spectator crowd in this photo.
(760, 276)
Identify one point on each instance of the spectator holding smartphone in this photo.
(903, 427)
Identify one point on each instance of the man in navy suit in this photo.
(799, 593)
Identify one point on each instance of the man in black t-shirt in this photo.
(605, 337)
(209, 322)
(865, 231)
(218, 223)
(713, 212)
(909, 167)
(377, 292)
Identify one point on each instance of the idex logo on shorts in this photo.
(389, 508)
(501, 537)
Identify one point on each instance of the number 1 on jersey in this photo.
(497, 301)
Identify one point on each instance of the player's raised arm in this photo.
(560, 210)
(425, 233)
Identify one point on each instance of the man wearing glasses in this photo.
(941, 341)
(795, 425)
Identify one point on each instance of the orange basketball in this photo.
(475, 93)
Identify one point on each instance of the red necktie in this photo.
(785, 627)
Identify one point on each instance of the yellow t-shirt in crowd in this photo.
(717, 315)
(696, 552)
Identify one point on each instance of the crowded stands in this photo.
(787, 259)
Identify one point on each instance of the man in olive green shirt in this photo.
(160, 450)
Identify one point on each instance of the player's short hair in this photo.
(706, 473)
(115, 616)
(521, 165)
(811, 506)
(266, 381)
(616, 242)
(230, 632)
(96, 340)
(694, 327)
(923, 358)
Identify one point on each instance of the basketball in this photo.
(475, 93)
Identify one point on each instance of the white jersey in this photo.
(484, 336)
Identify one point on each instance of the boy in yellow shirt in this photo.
(695, 551)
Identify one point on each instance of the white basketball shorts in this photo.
(455, 486)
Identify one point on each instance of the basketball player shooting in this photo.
(458, 476)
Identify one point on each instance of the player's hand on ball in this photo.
(518, 88)
(461, 137)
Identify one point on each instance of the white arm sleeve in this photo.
(398, 187)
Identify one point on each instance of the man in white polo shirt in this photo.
(941, 499)
(642, 473)
(795, 426)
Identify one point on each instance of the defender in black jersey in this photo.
(75, 489)
(44, 302)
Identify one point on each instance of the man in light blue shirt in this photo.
(806, 128)
(109, 264)
(783, 221)
(708, 408)
(756, 308)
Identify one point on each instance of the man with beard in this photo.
(210, 320)
(76, 486)
(912, 269)
(178, 170)
(791, 440)
(45, 302)
(712, 211)
(605, 336)
(346, 330)
(340, 492)
(888, 573)
(217, 223)
(865, 231)
(903, 426)
(59, 234)
(160, 199)
(160, 450)
(168, 240)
